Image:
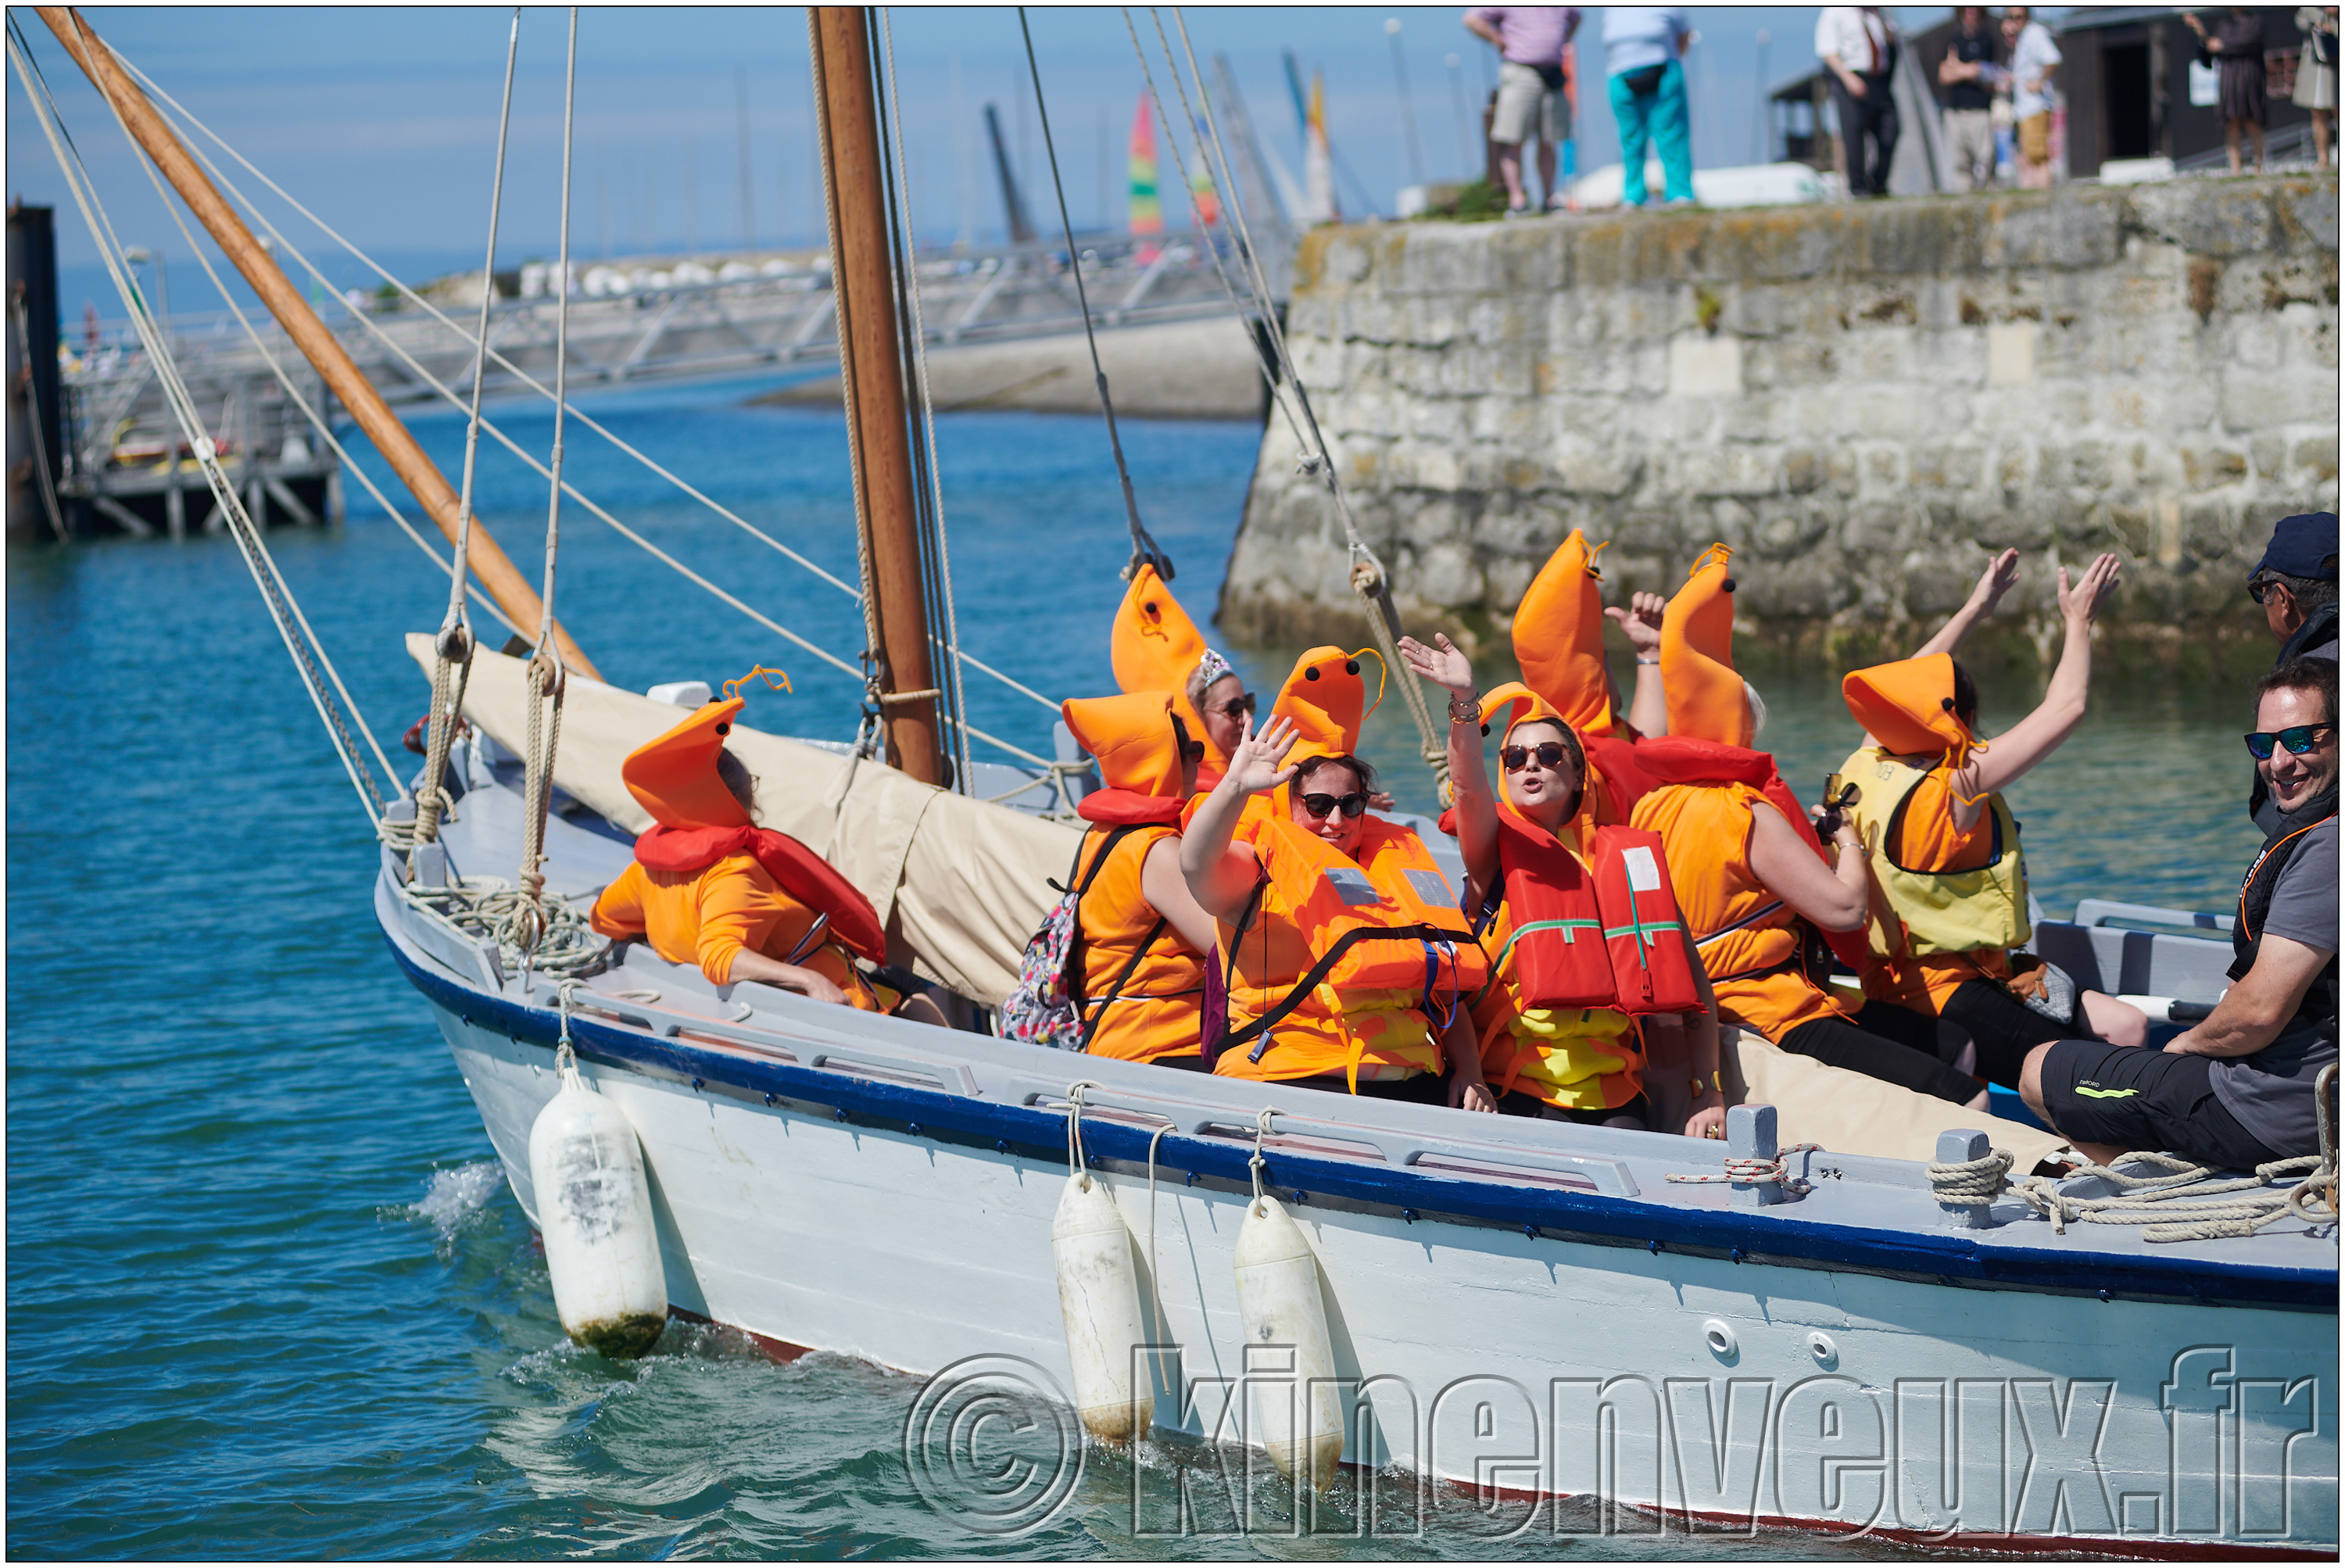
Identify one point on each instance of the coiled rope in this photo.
(1739, 1169)
(488, 909)
(1971, 1184)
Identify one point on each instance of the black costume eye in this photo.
(1947, 703)
(1729, 584)
(1149, 607)
(1311, 674)
(723, 729)
(1350, 667)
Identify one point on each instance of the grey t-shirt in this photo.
(2270, 1092)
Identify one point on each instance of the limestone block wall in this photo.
(1863, 399)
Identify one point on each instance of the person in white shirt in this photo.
(2034, 58)
(1856, 46)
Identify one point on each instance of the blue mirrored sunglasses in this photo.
(2299, 738)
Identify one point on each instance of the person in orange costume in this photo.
(1751, 880)
(1921, 715)
(1155, 646)
(1579, 1064)
(1145, 939)
(1559, 636)
(1267, 868)
(708, 887)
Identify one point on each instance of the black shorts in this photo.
(1516, 1102)
(2132, 1098)
(2006, 1028)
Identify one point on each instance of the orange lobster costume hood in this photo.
(1705, 695)
(1909, 706)
(1323, 697)
(1139, 758)
(1155, 646)
(1503, 708)
(1559, 639)
(697, 822)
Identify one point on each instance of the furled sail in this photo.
(959, 884)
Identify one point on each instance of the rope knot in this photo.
(1972, 1184)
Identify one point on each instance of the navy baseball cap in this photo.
(2304, 545)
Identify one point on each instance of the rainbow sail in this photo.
(1318, 159)
(1147, 212)
(1203, 201)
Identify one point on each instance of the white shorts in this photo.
(1527, 111)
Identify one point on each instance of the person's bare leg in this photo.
(1510, 169)
(2319, 139)
(2231, 143)
(923, 1010)
(2031, 1081)
(2256, 131)
(2118, 1023)
(1547, 192)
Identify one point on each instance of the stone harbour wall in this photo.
(1863, 399)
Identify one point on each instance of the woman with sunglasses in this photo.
(1946, 885)
(1569, 1064)
(1218, 693)
(1342, 952)
(1140, 937)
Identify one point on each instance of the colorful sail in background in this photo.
(1147, 213)
(1318, 161)
(1203, 201)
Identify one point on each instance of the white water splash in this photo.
(458, 1193)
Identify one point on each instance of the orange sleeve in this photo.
(739, 907)
(619, 911)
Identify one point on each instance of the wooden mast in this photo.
(871, 371)
(505, 585)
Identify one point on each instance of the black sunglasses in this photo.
(1550, 754)
(2299, 738)
(1351, 805)
(2257, 588)
(1235, 707)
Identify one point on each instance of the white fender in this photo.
(1300, 1423)
(1099, 1297)
(594, 1210)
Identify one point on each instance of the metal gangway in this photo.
(640, 320)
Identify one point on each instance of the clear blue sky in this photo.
(385, 120)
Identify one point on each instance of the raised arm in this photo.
(1994, 582)
(1833, 899)
(1469, 776)
(2037, 736)
(1219, 873)
(1649, 708)
(1167, 892)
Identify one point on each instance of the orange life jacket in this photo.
(799, 871)
(1386, 922)
(1603, 935)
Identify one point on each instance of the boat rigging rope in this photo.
(319, 676)
(1145, 549)
(1369, 578)
(1742, 1169)
(452, 666)
(1256, 1166)
(486, 908)
(548, 680)
(521, 376)
(1076, 1159)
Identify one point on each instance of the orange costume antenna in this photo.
(1909, 708)
(1560, 638)
(1705, 696)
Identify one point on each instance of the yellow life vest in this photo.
(1939, 911)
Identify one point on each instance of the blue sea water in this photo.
(268, 1294)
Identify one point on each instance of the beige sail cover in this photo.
(959, 884)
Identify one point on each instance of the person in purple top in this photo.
(1534, 90)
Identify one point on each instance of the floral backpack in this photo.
(1047, 1007)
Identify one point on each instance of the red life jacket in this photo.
(1128, 808)
(1682, 759)
(800, 872)
(1602, 935)
(1621, 774)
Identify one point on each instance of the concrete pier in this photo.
(1863, 399)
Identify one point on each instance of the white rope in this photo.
(964, 773)
(1742, 1169)
(1971, 1184)
(310, 656)
(1077, 1162)
(448, 394)
(484, 908)
(1261, 1120)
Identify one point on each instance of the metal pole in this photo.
(320, 347)
(872, 364)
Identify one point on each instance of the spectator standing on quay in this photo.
(2237, 1089)
(2034, 58)
(2236, 45)
(1533, 42)
(1857, 47)
(1968, 74)
(2316, 76)
(2296, 583)
(1643, 47)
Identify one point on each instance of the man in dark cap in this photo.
(2296, 583)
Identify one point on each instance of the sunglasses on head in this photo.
(2299, 738)
(1351, 805)
(1550, 754)
(1236, 707)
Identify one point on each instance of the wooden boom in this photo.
(498, 575)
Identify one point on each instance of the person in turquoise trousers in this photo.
(1643, 48)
